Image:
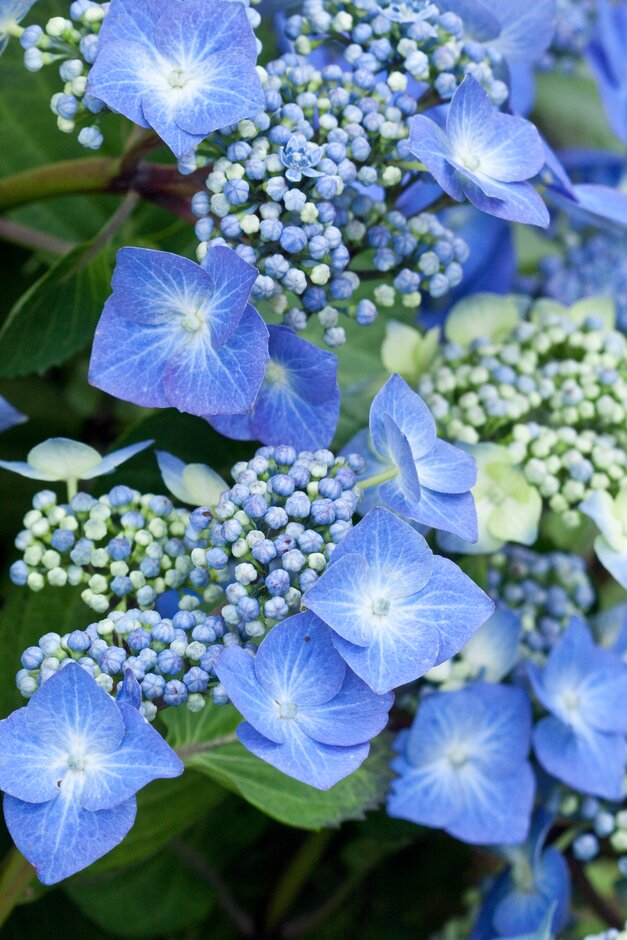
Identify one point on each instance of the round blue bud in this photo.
(153, 686)
(79, 641)
(32, 658)
(31, 36)
(138, 639)
(18, 573)
(255, 506)
(200, 519)
(175, 693)
(112, 660)
(298, 505)
(196, 680)
(169, 663)
(276, 609)
(293, 239)
(62, 540)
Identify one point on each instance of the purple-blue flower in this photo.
(176, 334)
(483, 156)
(582, 741)
(433, 479)
(300, 156)
(306, 713)
(299, 400)
(607, 57)
(395, 609)
(463, 765)
(183, 67)
(71, 762)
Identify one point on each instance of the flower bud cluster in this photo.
(601, 826)
(274, 532)
(574, 27)
(545, 589)
(553, 391)
(121, 548)
(172, 659)
(286, 190)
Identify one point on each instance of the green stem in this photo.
(26, 237)
(91, 175)
(382, 477)
(296, 876)
(72, 489)
(15, 877)
(189, 750)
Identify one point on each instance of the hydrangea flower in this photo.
(300, 156)
(463, 765)
(61, 459)
(394, 608)
(520, 32)
(12, 12)
(183, 68)
(610, 516)
(483, 156)
(532, 893)
(582, 741)
(422, 477)
(406, 11)
(194, 483)
(9, 416)
(299, 400)
(607, 57)
(71, 762)
(306, 713)
(176, 334)
(508, 508)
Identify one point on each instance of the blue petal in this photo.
(70, 706)
(515, 202)
(470, 118)
(453, 604)
(25, 470)
(447, 469)
(497, 809)
(113, 460)
(9, 416)
(403, 491)
(159, 107)
(235, 669)
(60, 838)
(513, 151)
(297, 662)
(319, 765)
(522, 910)
(493, 650)
(128, 361)
(342, 599)
(142, 756)
(229, 91)
(526, 29)
(131, 19)
(232, 280)
(428, 796)
(479, 22)
(237, 427)
(505, 738)
(355, 715)
(120, 76)
(613, 561)
(197, 29)
(408, 411)
(453, 512)
(206, 381)
(29, 767)
(129, 691)
(593, 764)
(430, 144)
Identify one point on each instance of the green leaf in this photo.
(196, 738)
(57, 316)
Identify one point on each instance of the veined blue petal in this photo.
(429, 143)
(29, 767)
(232, 279)
(199, 28)
(593, 764)
(409, 413)
(355, 715)
(447, 469)
(454, 605)
(228, 91)
(120, 77)
(497, 809)
(515, 202)
(453, 512)
(526, 29)
(235, 669)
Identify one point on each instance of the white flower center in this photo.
(571, 701)
(77, 762)
(457, 755)
(288, 710)
(275, 373)
(471, 161)
(380, 606)
(178, 78)
(193, 321)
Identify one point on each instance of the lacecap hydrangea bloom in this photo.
(183, 67)
(483, 156)
(463, 766)
(177, 334)
(71, 762)
(395, 609)
(306, 712)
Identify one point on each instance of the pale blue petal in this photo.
(361, 444)
(513, 152)
(171, 469)
(71, 707)
(408, 411)
(25, 470)
(199, 28)
(516, 202)
(158, 106)
(521, 910)
(454, 605)
(203, 381)
(119, 77)
(60, 838)
(526, 29)
(479, 22)
(502, 742)
(131, 19)
(428, 796)
(612, 561)
(453, 512)
(29, 768)
(444, 720)
(319, 765)
(237, 427)
(355, 715)
(231, 282)
(430, 144)
(603, 698)
(297, 662)
(342, 598)
(235, 668)
(470, 119)
(229, 91)
(593, 764)
(113, 460)
(493, 650)
(497, 810)
(128, 361)
(447, 469)
(142, 756)
(9, 416)
(281, 416)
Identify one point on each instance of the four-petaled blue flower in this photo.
(433, 479)
(395, 609)
(182, 67)
(71, 762)
(407, 11)
(584, 687)
(299, 400)
(176, 334)
(463, 765)
(9, 416)
(300, 156)
(483, 156)
(306, 713)
(11, 13)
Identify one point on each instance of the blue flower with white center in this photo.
(610, 516)
(607, 58)
(61, 459)
(299, 400)
(9, 416)
(176, 334)
(483, 156)
(463, 765)
(422, 477)
(193, 483)
(306, 713)
(12, 12)
(395, 609)
(184, 69)
(71, 762)
(533, 891)
(300, 156)
(582, 741)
